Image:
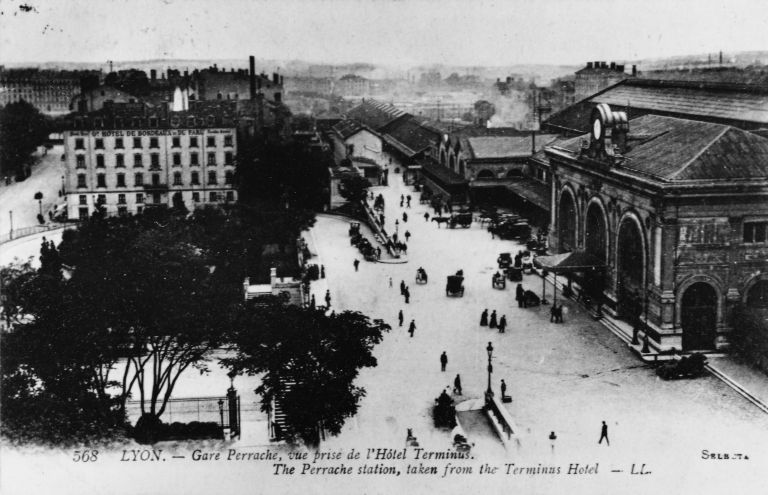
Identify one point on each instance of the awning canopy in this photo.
(575, 261)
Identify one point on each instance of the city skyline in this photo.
(385, 32)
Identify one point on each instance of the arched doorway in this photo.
(594, 233)
(566, 222)
(757, 297)
(485, 174)
(630, 263)
(452, 162)
(698, 317)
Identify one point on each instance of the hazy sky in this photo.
(379, 31)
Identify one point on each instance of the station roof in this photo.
(506, 146)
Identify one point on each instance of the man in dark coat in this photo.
(402, 287)
(405, 217)
(312, 302)
(503, 389)
(426, 216)
(484, 318)
(400, 318)
(493, 323)
(408, 201)
(412, 328)
(328, 298)
(503, 323)
(604, 434)
(457, 385)
(520, 296)
(407, 295)
(356, 263)
(407, 236)
(443, 361)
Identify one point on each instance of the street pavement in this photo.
(566, 378)
(18, 197)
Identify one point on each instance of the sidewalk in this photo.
(749, 382)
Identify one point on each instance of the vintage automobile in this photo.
(515, 274)
(421, 276)
(454, 286)
(504, 260)
(444, 412)
(511, 230)
(686, 367)
(498, 281)
(354, 229)
(461, 219)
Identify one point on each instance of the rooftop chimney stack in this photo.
(152, 75)
(252, 65)
(275, 79)
(589, 65)
(509, 80)
(613, 65)
(634, 70)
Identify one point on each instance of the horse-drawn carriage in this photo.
(461, 219)
(498, 281)
(515, 274)
(455, 286)
(421, 276)
(504, 260)
(354, 229)
(531, 299)
(511, 230)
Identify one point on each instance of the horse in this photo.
(441, 220)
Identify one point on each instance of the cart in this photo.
(421, 276)
(504, 260)
(498, 281)
(454, 286)
(515, 274)
(461, 219)
(354, 229)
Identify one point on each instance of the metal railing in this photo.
(35, 229)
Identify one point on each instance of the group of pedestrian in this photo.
(500, 323)
(405, 292)
(406, 200)
(556, 313)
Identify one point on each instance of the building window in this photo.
(122, 211)
(155, 179)
(176, 159)
(228, 140)
(101, 180)
(154, 160)
(83, 199)
(121, 199)
(100, 161)
(176, 142)
(79, 144)
(81, 180)
(177, 178)
(82, 213)
(101, 199)
(139, 197)
(99, 144)
(195, 178)
(80, 161)
(196, 197)
(211, 140)
(137, 142)
(153, 143)
(213, 197)
(119, 160)
(138, 179)
(119, 143)
(228, 176)
(211, 178)
(211, 158)
(754, 232)
(230, 195)
(139, 209)
(193, 142)
(194, 159)
(228, 158)
(137, 160)
(120, 180)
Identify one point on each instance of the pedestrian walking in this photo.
(457, 385)
(312, 302)
(402, 198)
(322, 271)
(412, 328)
(405, 217)
(503, 323)
(520, 296)
(407, 236)
(390, 282)
(553, 313)
(552, 438)
(503, 389)
(402, 287)
(484, 318)
(604, 434)
(404, 248)
(328, 298)
(381, 218)
(408, 201)
(397, 222)
(407, 295)
(443, 361)
(394, 237)
(426, 216)
(493, 323)
(400, 318)
(356, 263)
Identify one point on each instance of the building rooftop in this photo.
(507, 146)
(374, 114)
(410, 135)
(672, 149)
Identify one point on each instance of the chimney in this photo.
(597, 64)
(281, 80)
(509, 80)
(620, 67)
(634, 70)
(152, 75)
(604, 65)
(721, 57)
(613, 65)
(533, 143)
(589, 65)
(274, 78)
(186, 73)
(252, 64)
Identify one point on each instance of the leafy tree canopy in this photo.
(22, 129)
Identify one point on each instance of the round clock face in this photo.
(597, 129)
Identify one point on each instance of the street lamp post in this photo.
(489, 392)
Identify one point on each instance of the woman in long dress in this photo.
(484, 318)
(493, 323)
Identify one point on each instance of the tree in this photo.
(320, 355)
(22, 129)
(354, 187)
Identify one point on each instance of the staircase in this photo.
(279, 428)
